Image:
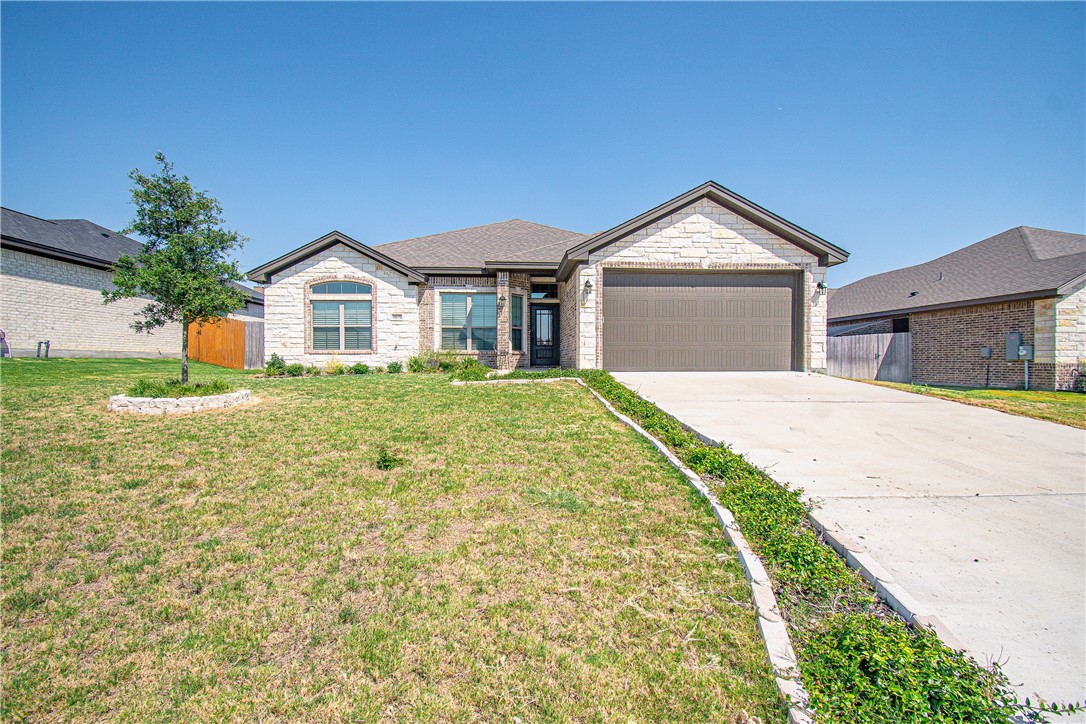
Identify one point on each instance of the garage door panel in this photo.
(698, 321)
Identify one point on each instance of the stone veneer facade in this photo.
(702, 236)
(287, 332)
(48, 299)
(946, 343)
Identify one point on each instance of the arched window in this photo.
(342, 316)
(340, 288)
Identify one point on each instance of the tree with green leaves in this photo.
(185, 267)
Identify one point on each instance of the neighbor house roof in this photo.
(1019, 263)
(514, 240)
(77, 241)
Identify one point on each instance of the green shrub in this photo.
(471, 369)
(294, 370)
(394, 368)
(378, 369)
(275, 366)
(444, 361)
(360, 368)
(313, 371)
(174, 388)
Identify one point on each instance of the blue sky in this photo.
(897, 131)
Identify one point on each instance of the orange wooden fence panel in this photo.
(219, 343)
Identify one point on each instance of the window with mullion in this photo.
(342, 325)
(469, 322)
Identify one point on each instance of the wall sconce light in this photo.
(586, 292)
(501, 301)
(822, 288)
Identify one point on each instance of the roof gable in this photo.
(828, 253)
(264, 272)
(1023, 262)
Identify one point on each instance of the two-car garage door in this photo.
(656, 320)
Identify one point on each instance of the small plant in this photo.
(378, 369)
(394, 368)
(1079, 383)
(333, 366)
(386, 460)
(275, 367)
(174, 388)
(313, 371)
(294, 370)
(471, 369)
(416, 364)
(360, 368)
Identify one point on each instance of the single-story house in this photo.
(706, 281)
(52, 273)
(960, 308)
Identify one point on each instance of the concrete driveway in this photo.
(977, 514)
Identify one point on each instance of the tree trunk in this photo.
(184, 352)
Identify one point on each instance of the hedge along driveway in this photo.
(530, 557)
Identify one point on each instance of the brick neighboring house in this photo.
(52, 273)
(1025, 280)
(707, 280)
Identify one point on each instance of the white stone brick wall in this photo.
(48, 299)
(706, 235)
(395, 309)
(1070, 333)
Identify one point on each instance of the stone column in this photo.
(505, 361)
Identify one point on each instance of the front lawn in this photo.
(524, 555)
(1066, 408)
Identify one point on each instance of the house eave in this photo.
(1020, 296)
(30, 247)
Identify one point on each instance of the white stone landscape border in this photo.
(778, 644)
(175, 405)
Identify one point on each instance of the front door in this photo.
(544, 335)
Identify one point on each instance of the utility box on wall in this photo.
(1014, 341)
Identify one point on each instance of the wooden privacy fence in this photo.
(228, 343)
(886, 357)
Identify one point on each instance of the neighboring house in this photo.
(1025, 280)
(52, 273)
(706, 281)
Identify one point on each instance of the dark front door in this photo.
(544, 335)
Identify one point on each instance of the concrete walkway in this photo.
(979, 515)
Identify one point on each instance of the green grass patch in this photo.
(1066, 408)
(529, 558)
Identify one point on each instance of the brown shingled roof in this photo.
(513, 240)
(1019, 263)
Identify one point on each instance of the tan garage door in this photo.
(698, 321)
